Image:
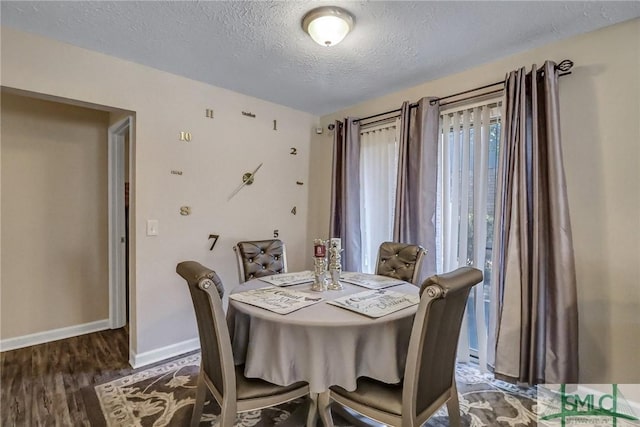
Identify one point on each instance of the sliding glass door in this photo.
(467, 171)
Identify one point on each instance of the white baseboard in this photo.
(53, 335)
(137, 360)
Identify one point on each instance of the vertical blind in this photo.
(469, 137)
(378, 180)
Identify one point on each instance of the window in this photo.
(467, 173)
(378, 181)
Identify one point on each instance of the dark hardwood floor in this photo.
(40, 385)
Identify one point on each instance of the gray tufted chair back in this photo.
(260, 258)
(400, 261)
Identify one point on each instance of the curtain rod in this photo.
(564, 66)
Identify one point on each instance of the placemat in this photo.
(376, 303)
(278, 300)
(289, 279)
(370, 281)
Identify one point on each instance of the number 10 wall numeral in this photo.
(185, 136)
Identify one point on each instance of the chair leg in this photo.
(453, 408)
(228, 414)
(312, 411)
(201, 394)
(324, 407)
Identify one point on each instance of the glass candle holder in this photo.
(319, 274)
(335, 266)
(319, 266)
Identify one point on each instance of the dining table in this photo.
(321, 344)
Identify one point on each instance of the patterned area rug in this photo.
(164, 395)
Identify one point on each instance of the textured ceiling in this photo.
(258, 48)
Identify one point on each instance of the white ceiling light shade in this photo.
(328, 25)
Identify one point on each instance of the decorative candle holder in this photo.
(335, 265)
(319, 266)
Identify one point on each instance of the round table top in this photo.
(322, 314)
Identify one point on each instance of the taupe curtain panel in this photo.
(415, 211)
(534, 318)
(345, 192)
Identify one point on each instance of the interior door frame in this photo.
(117, 232)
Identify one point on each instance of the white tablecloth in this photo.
(322, 344)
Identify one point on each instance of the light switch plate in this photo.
(152, 227)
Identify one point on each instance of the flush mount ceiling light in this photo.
(328, 25)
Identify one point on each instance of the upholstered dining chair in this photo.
(260, 258)
(400, 261)
(226, 382)
(429, 375)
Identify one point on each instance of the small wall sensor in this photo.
(319, 130)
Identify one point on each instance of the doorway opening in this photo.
(65, 168)
(119, 146)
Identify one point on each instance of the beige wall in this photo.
(600, 113)
(221, 150)
(54, 216)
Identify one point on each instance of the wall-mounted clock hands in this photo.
(247, 179)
